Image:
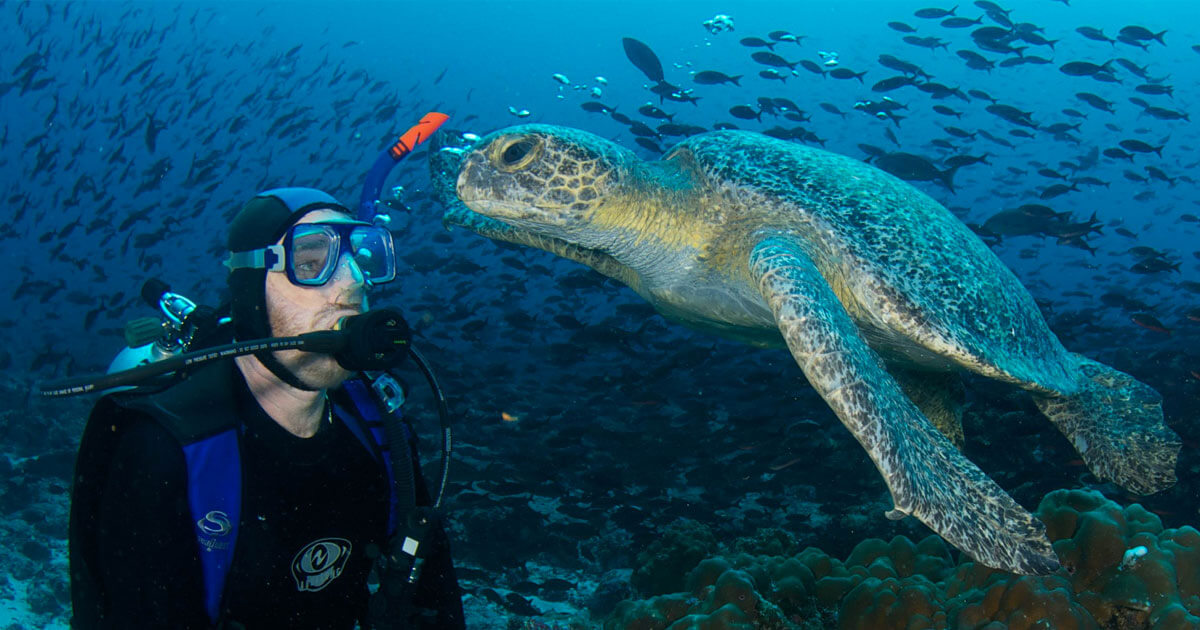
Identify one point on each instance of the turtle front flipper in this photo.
(928, 478)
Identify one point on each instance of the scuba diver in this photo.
(279, 488)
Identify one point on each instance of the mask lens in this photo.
(312, 250)
(372, 250)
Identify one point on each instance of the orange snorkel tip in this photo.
(417, 134)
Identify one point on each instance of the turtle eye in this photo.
(518, 153)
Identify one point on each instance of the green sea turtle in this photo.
(880, 294)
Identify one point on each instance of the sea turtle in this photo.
(881, 295)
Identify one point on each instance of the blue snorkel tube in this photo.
(383, 165)
(404, 555)
(372, 186)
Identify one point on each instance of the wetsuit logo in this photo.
(319, 563)
(214, 525)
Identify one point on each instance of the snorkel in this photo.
(368, 201)
(391, 156)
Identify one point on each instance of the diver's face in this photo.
(294, 310)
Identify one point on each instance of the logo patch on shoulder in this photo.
(319, 563)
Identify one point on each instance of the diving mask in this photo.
(310, 253)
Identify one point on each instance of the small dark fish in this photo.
(650, 111)
(976, 61)
(1012, 115)
(771, 59)
(1057, 190)
(596, 107)
(934, 13)
(517, 604)
(772, 74)
(784, 104)
(643, 58)
(648, 144)
(712, 77)
(981, 95)
(745, 112)
(991, 33)
(939, 91)
(1154, 265)
(991, 7)
(900, 65)
(621, 118)
(1092, 181)
(958, 161)
(1155, 89)
(846, 73)
(1095, 34)
(901, 27)
(1155, 173)
(1095, 101)
(640, 129)
(673, 129)
(1141, 71)
(784, 36)
(755, 42)
(833, 109)
(1163, 113)
(812, 67)
(946, 111)
(153, 127)
(931, 43)
(911, 167)
(1138, 146)
(1061, 128)
(893, 83)
(960, 22)
(1117, 154)
(1141, 34)
(1083, 68)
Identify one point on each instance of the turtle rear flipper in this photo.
(1116, 424)
(939, 395)
(928, 478)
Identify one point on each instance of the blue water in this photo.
(217, 62)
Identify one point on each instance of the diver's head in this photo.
(299, 263)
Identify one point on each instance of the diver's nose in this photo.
(348, 273)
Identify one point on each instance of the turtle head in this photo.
(548, 180)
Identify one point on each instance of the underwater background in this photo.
(612, 468)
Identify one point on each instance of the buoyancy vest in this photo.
(201, 414)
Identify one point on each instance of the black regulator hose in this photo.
(443, 417)
(375, 340)
(326, 342)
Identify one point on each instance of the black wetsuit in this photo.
(304, 501)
